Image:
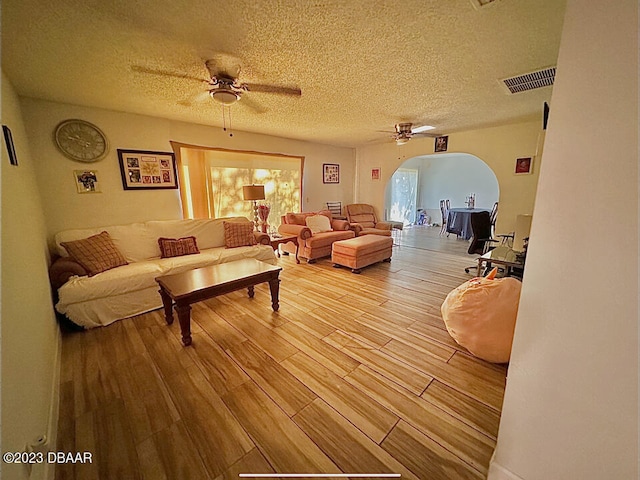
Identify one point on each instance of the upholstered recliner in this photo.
(363, 220)
(313, 245)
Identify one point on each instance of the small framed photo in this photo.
(524, 166)
(375, 174)
(441, 144)
(331, 173)
(86, 181)
(141, 169)
(11, 149)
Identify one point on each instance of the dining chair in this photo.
(494, 217)
(444, 210)
(481, 239)
(336, 210)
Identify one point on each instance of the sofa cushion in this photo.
(208, 231)
(238, 234)
(134, 241)
(325, 239)
(367, 220)
(374, 231)
(296, 218)
(318, 224)
(96, 253)
(177, 247)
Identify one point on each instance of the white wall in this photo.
(455, 176)
(498, 147)
(30, 335)
(571, 403)
(65, 208)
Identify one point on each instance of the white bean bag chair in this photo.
(481, 316)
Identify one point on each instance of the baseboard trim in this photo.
(54, 411)
(498, 472)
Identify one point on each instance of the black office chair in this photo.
(481, 236)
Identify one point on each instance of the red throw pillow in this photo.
(177, 247)
(238, 234)
(96, 254)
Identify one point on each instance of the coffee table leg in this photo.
(168, 306)
(184, 317)
(251, 291)
(274, 286)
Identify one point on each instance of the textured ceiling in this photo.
(362, 65)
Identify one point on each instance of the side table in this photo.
(279, 240)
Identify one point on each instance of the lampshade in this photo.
(253, 192)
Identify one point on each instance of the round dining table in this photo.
(459, 221)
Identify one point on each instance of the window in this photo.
(211, 181)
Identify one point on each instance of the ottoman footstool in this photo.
(360, 252)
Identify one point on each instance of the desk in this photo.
(459, 221)
(501, 255)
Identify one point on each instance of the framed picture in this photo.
(11, 150)
(141, 169)
(86, 181)
(375, 174)
(331, 173)
(441, 144)
(524, 166)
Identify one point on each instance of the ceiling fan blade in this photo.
(199, 98)
(257, 87)
(166, 73)
(424, 134)
(249, 103)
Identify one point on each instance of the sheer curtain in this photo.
(211, 181)
(404, 192)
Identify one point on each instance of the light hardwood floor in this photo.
(354, 374)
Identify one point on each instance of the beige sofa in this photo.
(128, 290)
(313, 246)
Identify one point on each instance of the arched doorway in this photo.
(421, 182)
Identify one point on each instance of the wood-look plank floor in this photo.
(354, 374)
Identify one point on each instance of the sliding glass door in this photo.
(404, 194)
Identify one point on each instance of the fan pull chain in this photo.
(224, 120)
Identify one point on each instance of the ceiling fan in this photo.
(405, 132)
(223, 84)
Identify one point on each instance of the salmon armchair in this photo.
(313, 245)
(363, 220)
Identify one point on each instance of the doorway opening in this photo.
(413, 193)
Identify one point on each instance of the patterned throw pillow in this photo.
(96, 254)
(177, 247)
(318, 224)
(238, 234)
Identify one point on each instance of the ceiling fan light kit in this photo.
(225, 97)
(405, 132)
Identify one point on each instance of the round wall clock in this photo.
(81, 141)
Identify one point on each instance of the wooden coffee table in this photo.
(203, 283)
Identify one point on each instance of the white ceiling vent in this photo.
(531, 81)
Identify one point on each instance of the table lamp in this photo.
(253, 193)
